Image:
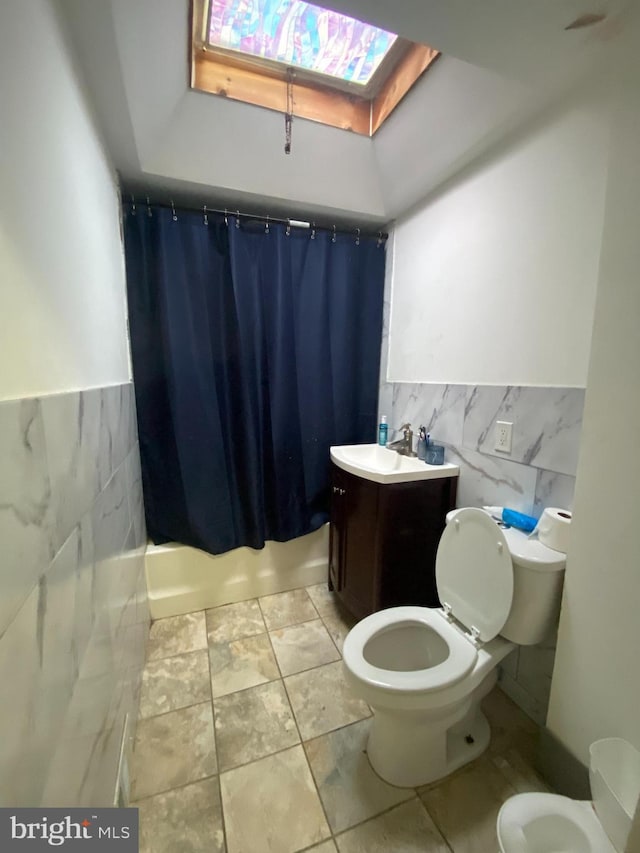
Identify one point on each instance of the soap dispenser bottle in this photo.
(383, 430)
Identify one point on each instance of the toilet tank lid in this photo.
(474, 573)
(526, 549)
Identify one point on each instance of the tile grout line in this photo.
(215, 744)
(172, 711)
(309, 768)
(304, 752)
(435, 822)
(175, 788)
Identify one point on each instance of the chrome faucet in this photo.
(404, 445)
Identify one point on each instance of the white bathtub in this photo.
(181, 579)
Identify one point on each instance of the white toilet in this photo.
(425, 670)
(547, 823)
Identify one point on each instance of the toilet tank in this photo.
(538, 575)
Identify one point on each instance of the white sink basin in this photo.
(386, 466)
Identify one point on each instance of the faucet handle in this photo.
(404, 427)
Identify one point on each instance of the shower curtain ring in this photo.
(313, 230)
(206, 218)
(149, 207)
(133, 205)
(237, 218)
(226, 218)
(357, 237)
(288, 231)
(266, 227)
(173, 211)
(333, 239)
(379, 241)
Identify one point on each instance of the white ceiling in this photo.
(503, 59)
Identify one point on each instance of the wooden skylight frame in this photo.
(315, 96)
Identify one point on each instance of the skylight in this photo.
(303, 61)
(300, 35)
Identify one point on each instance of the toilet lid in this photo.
(474, 573)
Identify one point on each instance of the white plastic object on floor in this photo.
(548, 823)
(614, 773)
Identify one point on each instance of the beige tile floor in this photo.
(250, 742)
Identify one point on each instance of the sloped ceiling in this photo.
(502, 60)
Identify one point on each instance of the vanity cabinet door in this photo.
(360, 569)
(413, 518)
(383, 540)
(337, 531)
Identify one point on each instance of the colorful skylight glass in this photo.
(301, 35)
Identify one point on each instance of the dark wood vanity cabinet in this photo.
(383, 540)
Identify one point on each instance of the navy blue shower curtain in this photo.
(253, 351)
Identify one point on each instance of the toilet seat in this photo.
(461, 658)
(474, 573)
(549, 823)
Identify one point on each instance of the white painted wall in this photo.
(62, 314)
(454, 111)
(235, 147)
(596, 682)
(495, 277)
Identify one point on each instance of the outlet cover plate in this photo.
(503, 436)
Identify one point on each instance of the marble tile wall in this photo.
(73, 610)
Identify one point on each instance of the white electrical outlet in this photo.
(503, 436)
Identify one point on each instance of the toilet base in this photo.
(419, 753)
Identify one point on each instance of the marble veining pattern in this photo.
(485, 480)
(546, 436)
(553, 490)
(73, 616)
(439, 408)
(546, 431)
(25, 504)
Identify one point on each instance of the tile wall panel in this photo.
(73, 614)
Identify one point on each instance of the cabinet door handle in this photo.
(338, 491)
(341, 491)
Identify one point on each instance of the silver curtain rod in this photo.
(290, 223)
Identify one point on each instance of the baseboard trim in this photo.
(562, 770)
